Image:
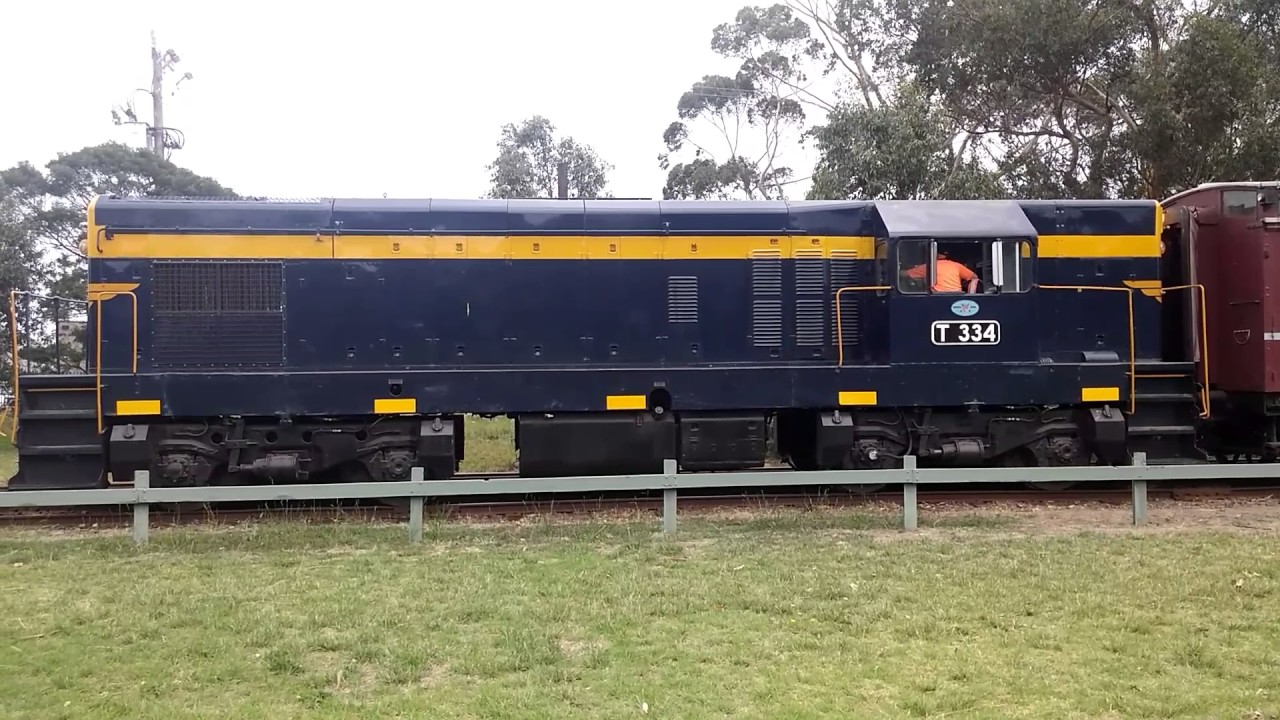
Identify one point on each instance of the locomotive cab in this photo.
(960, 275)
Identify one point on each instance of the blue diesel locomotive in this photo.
(237, 341)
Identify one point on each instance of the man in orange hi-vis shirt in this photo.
(950, 275)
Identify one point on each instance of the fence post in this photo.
(669, 470)
(417, 476)
(1140, 491)
(141, 510)
(910, 509)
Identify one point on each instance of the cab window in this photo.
(963, 266)
(914, 266)
(1008, 268)
(882, 265)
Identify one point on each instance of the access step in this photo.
(59, 446)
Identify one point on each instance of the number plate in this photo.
(959, 332)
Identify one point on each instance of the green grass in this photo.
(821, 614)
(490, 444)
(8, 460)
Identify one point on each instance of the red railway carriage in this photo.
(1225, 237)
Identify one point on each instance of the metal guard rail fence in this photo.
(910, 476)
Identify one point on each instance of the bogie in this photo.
(238, 451)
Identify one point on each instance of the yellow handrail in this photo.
(1133, 363)
(16, 341)
(840, 325)
(13, 329)
(1204, 345)
(100, 298)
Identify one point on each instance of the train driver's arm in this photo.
(970, 279)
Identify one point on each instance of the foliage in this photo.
(1034, 98)
(528, 158)
(21, 264)
(765, 97)
(42, 237)
(924, 161)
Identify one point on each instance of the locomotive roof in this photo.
(1242, 185)
(958, 218)
(605, 216)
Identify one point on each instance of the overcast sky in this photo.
(362, 98)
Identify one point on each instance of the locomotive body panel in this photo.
(341, 337)
(724, 290)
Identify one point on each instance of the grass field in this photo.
(490, 446)
(818, 614)
(8, 461)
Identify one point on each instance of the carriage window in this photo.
(1240, 203)
(964, 266)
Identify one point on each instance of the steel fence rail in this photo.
(910, 477)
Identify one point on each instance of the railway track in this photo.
(511, 509)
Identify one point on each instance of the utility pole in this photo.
(562, 180)
(159, 136)
(156, 140)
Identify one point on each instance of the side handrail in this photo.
(100, 298)
(13, 359)
(1205, 411)
(840, 324)
(1133, 363)
(15, 354)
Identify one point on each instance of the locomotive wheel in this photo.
(863, 490)
(1024, 458)
(356, 472)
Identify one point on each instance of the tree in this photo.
(904, 148)
(21, 264)
(73, 179)
(41, 233)
(1034, 98)
(765, 98)
(528, 158)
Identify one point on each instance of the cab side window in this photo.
(914, 267)
(963, 266)
(1010, 267)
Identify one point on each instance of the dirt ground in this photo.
(994, 519)
(1245, 515)
(1249, 516)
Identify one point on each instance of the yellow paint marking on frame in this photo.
(137, 407)
(1100, 394)
(858, 397)
(626, 402)
(395, 406)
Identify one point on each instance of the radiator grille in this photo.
(766, 298)
(217, 314)
(844, 273)
(682, 299)
(811, 282)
